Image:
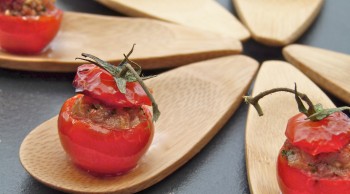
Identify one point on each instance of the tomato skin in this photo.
(97, 83)
(99, 150)
(28, 35)
(314, 137)
(292, 180)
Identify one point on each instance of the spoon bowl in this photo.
(265, 135)
(206, 15)
(277, 23)
(159, 44)
(326, 68)
(195, 101)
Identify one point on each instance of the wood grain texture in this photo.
(205, 15)
(328, 69)
(265, 135)
(275, 22)
(195, 101)
(159, 44)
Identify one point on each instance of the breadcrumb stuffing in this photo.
(118, 118)
(335, 164)
(26, 7)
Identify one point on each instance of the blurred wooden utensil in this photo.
(205, 15)
(159, 44)
(265, 135)
(275, 22)
(326, 68)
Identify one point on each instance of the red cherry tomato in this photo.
(28, 34)
(99, 143)
(293, 180)
(315, 158)
(314, 137)
(97, 83)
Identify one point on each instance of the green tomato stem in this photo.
(156, 112)
(255, 100)
(313, 113)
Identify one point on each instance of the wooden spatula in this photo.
(206, 15)
(328, 69)
(195, 101)
(159, 44)
(265, 135)
(275, 22)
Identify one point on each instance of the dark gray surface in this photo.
(28, 99)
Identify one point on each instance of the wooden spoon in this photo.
(265, 135)
(328, 69)
(159, 44)
(206, 15)
(195, 101)
(275, 22)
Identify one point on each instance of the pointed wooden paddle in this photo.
(265, 135)
(195, 102)
(159, 44)
(328, 69)
(205, 15)
(276, 22)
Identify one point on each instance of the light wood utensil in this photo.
(328, 69)
(205, 15)
(275, 22)
(265, 135)
(195, 101)
(159, 44)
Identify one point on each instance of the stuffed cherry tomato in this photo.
(27, 27)
(101, 139)
(103, 130)
(315, 158)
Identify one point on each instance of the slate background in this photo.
(28, 99)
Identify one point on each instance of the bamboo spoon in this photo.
(275, 22)
(265, 135)
(159, 44)
(328, 69)
(206, 15)
(195, 101)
